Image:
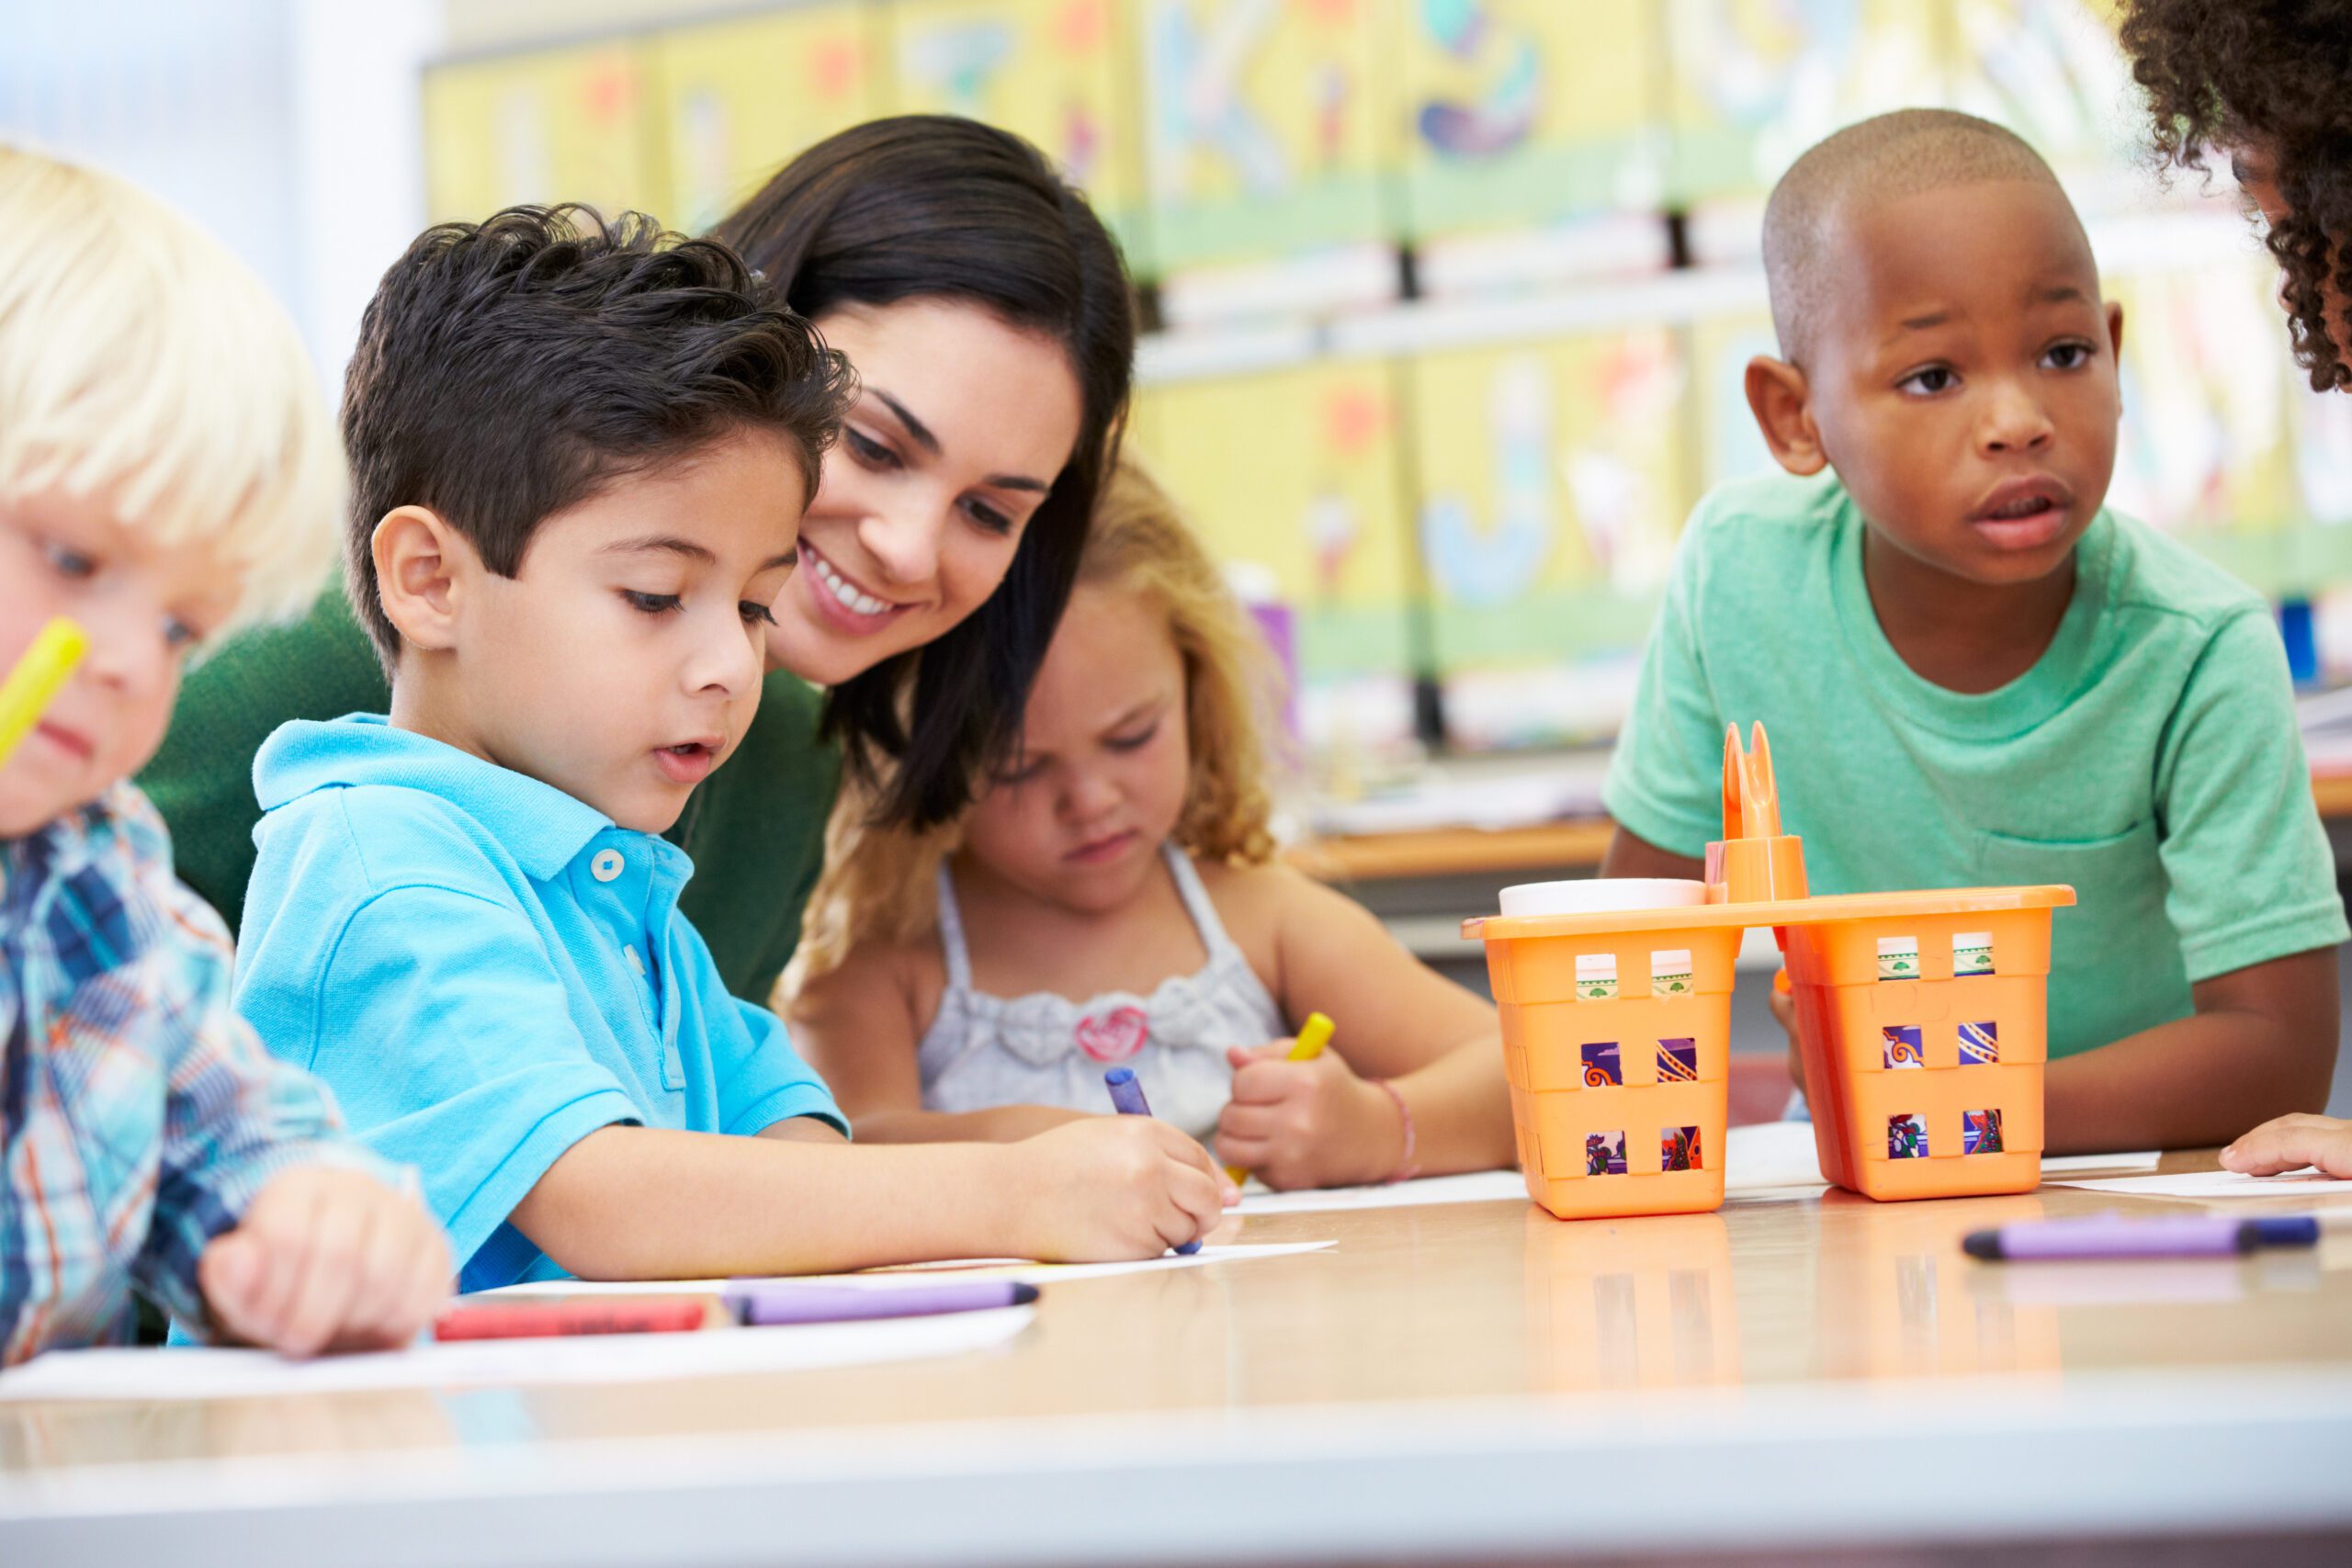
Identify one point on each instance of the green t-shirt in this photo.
(755, 830)
(2150, 758)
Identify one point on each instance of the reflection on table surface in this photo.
(1444, 1303)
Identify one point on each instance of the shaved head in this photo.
(1905, 153)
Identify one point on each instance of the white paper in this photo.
(1474, 1187)
(1773, 1155)
(2144, 1159)
(961, 1269)
(2218, 1184)
(199, 1373)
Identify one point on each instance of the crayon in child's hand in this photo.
(1126, 1098)
(36, 679)
(1313, 1035)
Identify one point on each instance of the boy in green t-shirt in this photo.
(1972, 673)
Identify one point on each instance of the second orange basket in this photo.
(1921, 1019)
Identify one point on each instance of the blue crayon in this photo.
(1126, 1098)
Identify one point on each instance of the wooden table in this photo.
(1473, 1382)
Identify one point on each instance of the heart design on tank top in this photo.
(1116, 1036)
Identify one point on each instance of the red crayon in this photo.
(662, 1315)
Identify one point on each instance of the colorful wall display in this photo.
(1054, 71)
(1553, 484)
(735, 100)
(1757, 82)
(1293, 478)
(2203, 451)
(1265, 128)
(1529, 111)
(557, 124)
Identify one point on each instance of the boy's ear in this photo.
(2114, 329)
(1782, 404)
(423, 570)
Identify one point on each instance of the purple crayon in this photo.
(765, 1302)
(1126, 1099)
(2111, 1235)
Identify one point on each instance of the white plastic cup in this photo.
(1594, 895)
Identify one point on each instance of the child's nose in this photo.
(2017, 420)
(1091, 794)
(730, 660)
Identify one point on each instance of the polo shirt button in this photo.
(606, 865)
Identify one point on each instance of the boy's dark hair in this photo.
(2274, 78)
(931, 206)
(512, 369)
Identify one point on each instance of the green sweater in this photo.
(755, 830)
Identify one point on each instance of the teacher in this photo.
(2268, 84)
(988, 318)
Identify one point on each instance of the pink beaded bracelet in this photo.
(1406, 1169)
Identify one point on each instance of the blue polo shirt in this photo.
(486, 970)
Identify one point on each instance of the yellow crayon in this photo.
(1313, 1035)
(35, 680)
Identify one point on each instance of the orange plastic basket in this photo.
(1619, 1087)
(1921, 1015)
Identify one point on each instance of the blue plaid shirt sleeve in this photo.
(235, 1117)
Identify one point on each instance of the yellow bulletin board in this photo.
(2203, 452)
(1529, 111)
(559, 125)
(1729, 445)
(1757, 82)
(2050, 71)
(1555, 479)
(1267, 128)
(1293, 475)
(734, 100)
(1052, 71)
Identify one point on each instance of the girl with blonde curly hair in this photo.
(1112, 897)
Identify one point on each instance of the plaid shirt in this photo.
(139, 1116)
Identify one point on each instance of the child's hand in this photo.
(1311, 1124)
(1784, 1007)
(326, 1260)
(2291, 1142)
(1113, 1187)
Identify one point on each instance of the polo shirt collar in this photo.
(540, 825)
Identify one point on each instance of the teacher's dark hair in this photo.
(2271, 79)
(928, 206)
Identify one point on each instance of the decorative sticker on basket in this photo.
(1898, 958)
(1971, 953)
(1678, 1061)
(1596, 977)
(1670, 972)
(1901, 1048)
(1677, 1148)
(1604, 1154)
(1601, 1067)
(1906, 1137)
(1980, 1044)
(1979, 1131)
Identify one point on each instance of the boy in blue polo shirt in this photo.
(580, 455)
(1971, 671)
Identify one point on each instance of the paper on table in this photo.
(2213, 1184)
(2144, 1159)
(199, 1373)
(962, 1269)
(1771, 1153)
(1474, 1187)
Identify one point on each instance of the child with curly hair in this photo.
(2268, 85)
(1111, 898)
